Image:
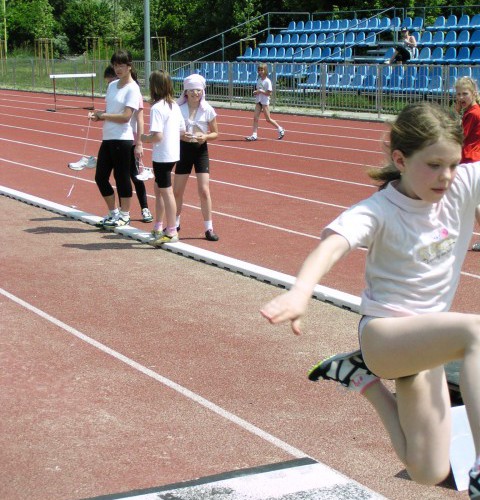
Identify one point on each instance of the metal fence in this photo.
(320, 88)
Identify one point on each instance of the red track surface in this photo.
(84, 423)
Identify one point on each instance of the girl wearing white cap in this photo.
(201, 127)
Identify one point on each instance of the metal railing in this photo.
(319, 88)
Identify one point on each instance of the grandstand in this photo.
(311, 58)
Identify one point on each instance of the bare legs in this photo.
(412, 350)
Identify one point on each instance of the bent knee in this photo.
(427, 474)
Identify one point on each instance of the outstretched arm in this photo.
(291, 306)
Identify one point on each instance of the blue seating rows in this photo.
(452, 22)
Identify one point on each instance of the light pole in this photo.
(146, 39)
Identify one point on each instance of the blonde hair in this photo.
(470, 84)
(418, 126)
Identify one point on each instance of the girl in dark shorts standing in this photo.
(166, 126)
(201, 126)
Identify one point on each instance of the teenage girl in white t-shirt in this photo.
(122, 101)
(166, 126)
(262, 102)
(417, 229)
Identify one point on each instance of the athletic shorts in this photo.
(163, 174)
(193, 155)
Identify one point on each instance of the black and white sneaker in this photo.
(348, 368)
(474, 485)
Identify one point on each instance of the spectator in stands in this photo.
(405, 51)
(467, 105)
(201, 126)
(137, 149)
(417, 228)
(262, 95)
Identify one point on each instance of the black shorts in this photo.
(163, 174)
(403, 54)
(193, 155)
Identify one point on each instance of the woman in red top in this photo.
(467, 105)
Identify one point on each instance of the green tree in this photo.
(87, 18)
(28, 20)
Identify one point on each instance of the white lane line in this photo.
(295, 452)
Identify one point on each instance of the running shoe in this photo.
(145, 174)
(281, 133)
(474, 485)
(211, 236)
(157, 233)
(121, 220)
(476, 247)
(348, 368)
(165, 238)
(147, 215)
(84, 162)
(251, 138)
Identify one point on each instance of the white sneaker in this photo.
(145, 174)
(147, 215)
(84, 162)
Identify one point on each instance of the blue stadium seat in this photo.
(286, 37)
(325, 25)
(464, 71)
(326, 53)
(475, 38)
(370, 83)
(360, 38)
(439, 24)
(463, 22)
(336, 55)
(395, 24)
(407, 23)
(316, 54)
(306, 55)
(294, 40)
(475, 22)
(321, 38)
(300, 27)
(311, 82)
(344, 81)
(308, 27)
(280, 54)
(384, 24)
(272, 54)
(312, 39)
(270, 40)
(343, 25)
(289, 54)
(425, 39)
(438, 39)
(303, 40)
(352, 24)
(332, 80)
(357, 82)
(417, 24)
(349, 38)
(291, 27)
(347, 54)
(247, 55)
(463, 55)
(475, 55)
(371, 39)
(437, 55)
(450, 56)
(450, 38)
(425, 55)
(316, 25)
(421, 84)
(372, 24)
(340, 39)
(463, 38)
(435, 85)
(334, 25)
(362, 25)
(330, 39)
(451, 22)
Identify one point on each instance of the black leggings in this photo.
(116, 156)
(139, 185)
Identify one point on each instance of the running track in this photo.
(85, 424)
